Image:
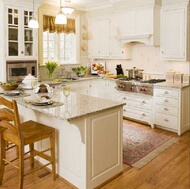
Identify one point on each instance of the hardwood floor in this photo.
(169, 170)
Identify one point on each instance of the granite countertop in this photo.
(75, 106)
(172, 85)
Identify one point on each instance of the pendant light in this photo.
(67, 9)
(33, 23)
(60, 18)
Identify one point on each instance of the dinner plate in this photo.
(42, 103)
(11, 93)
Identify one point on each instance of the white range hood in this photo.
(146, 39)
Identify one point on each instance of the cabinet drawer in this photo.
(137, 114)
(167, 92)
(167, 109)
(167, 101)
(137, 102)
(166, 120)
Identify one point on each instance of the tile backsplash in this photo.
(148, 59)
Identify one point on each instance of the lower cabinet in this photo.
(171, 108)
(81, 87)
(138, 107)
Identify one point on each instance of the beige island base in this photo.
(88, 137)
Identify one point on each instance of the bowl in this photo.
(102, 75)
(80, 74)
(9, 88)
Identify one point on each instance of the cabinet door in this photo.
(173, 45)
(116, 50)
(99, 38)
(20, 38)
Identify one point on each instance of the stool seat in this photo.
(21, 134)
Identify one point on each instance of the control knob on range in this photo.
(121, 86)
(132, 88)
(143, 89)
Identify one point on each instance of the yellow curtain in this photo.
(49, 25)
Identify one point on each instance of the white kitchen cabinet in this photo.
(118, 51)
(140, 25)
(175, 32)
(103, 41)
(138, 107)
(94, 87)
(99, 38)
(21, 40)
(81, 87)
(172, 109)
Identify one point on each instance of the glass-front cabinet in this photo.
(20, 39)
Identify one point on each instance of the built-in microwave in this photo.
(17, 70)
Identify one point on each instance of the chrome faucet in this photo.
(64, 74)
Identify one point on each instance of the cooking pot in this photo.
(135, 73)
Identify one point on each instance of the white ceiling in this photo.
(81, 3)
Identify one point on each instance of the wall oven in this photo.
(17, 70)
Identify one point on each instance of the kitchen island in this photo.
(88, 137)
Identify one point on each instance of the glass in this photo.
(34, 85)
(66, 90)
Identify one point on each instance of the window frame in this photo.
(53, 11)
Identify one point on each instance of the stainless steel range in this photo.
(135, 86)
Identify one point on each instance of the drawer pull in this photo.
(144, 102)
(124, 98)
(166, 92)
(143, 114)
(166, 120)
(166, 109)
(166, 100)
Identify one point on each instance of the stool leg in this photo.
(52, 143)
(2, 156)
(32, 155)
(21, 165)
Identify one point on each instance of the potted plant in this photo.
(51, 65)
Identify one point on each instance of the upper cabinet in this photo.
(21, 40)
(140, 25)
(99, 38)
(103, 44)
(175, 32)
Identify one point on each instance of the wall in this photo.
(148, 59)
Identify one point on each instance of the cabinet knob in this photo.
(166, 120)
(166, 100)
(144, 102)
(143, 114)
(22, 52)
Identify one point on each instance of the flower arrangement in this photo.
(51, 65)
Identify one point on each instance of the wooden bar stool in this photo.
(21, 134)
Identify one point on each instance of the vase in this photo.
(50, 75)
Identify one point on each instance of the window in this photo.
(60, 47)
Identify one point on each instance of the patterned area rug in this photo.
(140, 146)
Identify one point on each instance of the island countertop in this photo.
(74, 106)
